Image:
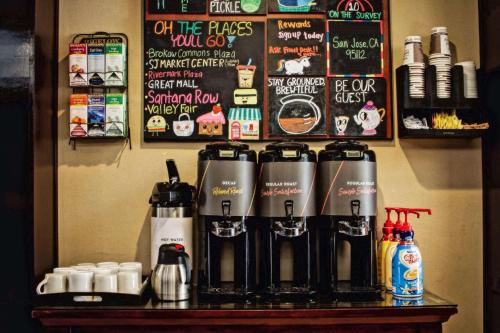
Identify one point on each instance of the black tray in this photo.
(95, 298)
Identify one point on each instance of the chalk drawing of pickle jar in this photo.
(298, 114)
(184, 126)
(250, 6)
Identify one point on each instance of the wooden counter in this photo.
(193, 316)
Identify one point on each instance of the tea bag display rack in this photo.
(105, 89)
(467, 109)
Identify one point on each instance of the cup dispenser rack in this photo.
(468, 109)
(105, 89)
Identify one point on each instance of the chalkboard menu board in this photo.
(197, 72)
(296, 47)
(297, 106)
(237, 7)
(176, 6)
(355, 47)
(359, 106)
(355, 9)
(266, 70)
(297, 6)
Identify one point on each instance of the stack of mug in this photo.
(441, 58)
(414, 58)
(108, 277)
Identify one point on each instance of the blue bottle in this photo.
(407, 265)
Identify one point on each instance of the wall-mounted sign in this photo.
(197, 73)
(296, 106)
(176, 6)
(358, 107)
(355, 9)
(237, 7)
(297, 6)
(296, 47)
(355, 48)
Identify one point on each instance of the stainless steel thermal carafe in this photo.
(171, 278)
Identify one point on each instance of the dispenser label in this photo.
(166, 230)
(345, 181)
(219, 181)
(283, 181)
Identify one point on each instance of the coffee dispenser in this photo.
(287, 211)
(226, 208)
(348, 208)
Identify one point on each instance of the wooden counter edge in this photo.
(268, 317)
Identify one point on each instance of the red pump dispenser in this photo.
(406, 230)
(388, 225)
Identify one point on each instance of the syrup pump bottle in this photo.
(392, 248)
(383, 245)
(407, 265)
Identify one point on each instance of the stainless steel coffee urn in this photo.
(171, 278)
(172, 213)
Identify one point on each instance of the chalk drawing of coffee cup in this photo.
(341, 124)
(250, 6)
(184, 126)
(369, 117)
(298, 114)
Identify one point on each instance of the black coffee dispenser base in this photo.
(345, 293)
(226, 292)
(287, 292)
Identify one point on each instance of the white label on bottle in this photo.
(165, 230)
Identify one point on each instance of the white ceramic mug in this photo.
(132, 269)
(53, 283)
(102, 270)
(80, 281)
(128, 282)
(83, 267)
(107, 264)
(106, 283)
(136, 265)
(64, 271)
(86, 264)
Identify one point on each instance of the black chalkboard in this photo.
(355, 48)
(296, 106)
(297, 6)
(236, 7)
(358, 107)
(176, 6)
(356, 9)
(201, 77)
(296, 46)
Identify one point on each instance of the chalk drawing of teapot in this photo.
(369, 117)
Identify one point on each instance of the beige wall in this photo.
(104, 188)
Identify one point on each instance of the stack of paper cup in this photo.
(441, 58)
(414, 58)
(470, 81)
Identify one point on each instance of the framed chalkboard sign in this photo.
(266, 70)
(356, 9)
(297, 106)
(355, 48)
(296, 47)
(237, 7)
(176, 6)
(358, 107)
(201, 77)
